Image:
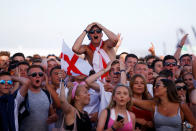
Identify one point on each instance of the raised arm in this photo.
(65, 106)
(194, 66)
(123, 77)
(152, 50)
(113, 39)
(78, 48)
(179, 48)
(95, 76)
(53, 93)
(25, 82)
(118, 43)
(16, 83)
(144, 104)
(94, 85)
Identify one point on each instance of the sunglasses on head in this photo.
(9, 82)
(170, 64)
(93, 31)
(181, 87)
(35, 74)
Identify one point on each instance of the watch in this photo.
(86, 31)
(179, 46)
(122, 70)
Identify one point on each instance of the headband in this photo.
(76, 84)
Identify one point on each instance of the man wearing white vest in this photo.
(98, 53)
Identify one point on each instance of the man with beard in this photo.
(98, 52)
(39, 102)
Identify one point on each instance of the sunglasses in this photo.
(170, 64)
(9, 82)
(93, 31)
(116, 73)
(188, 79)
(181, 87)
(35, 74)
(157, 86)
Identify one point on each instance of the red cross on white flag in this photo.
(71, 63)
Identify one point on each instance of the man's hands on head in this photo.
(92, 24)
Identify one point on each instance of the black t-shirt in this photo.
(83, 123)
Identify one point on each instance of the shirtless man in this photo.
(94, 32)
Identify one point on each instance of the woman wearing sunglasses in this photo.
(169, 112)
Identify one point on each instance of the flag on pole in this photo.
(72, 64)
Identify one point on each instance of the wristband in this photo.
(86, 31)
(122, 71)
(113, 128)
(179, 46)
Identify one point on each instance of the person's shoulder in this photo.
(109, 42)
(104, 112)
(132, 115)
(87, 47)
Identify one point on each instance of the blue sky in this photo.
(38, 26)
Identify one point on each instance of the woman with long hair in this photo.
(75, 117)
(139, 89)
(169, 112)
(118, 117)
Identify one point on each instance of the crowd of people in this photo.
(121, 93)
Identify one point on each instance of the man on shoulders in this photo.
(98, 53)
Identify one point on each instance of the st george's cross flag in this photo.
(72, 63)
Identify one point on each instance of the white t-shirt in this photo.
(18, 100)
(93, 106)
(150, 89)
(66, 91)
(105, 97)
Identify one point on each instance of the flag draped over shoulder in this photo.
(72, 64)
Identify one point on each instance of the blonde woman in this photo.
(118, 117)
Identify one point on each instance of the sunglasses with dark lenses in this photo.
(157, 85)
(181, 87)
(190, 79)
(9, 82)
(35, 74)
(93, 31)
(170, 64)
(116, 73)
